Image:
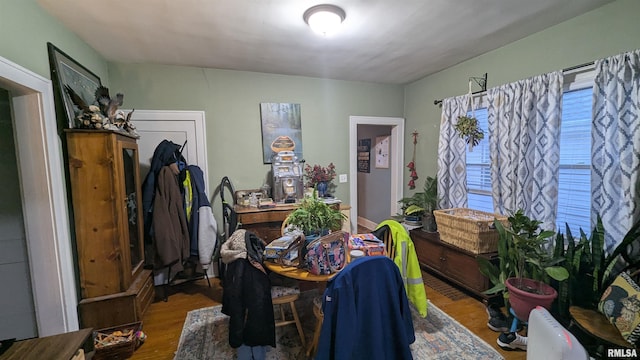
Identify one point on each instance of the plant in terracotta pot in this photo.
(526, 265)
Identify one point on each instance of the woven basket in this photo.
(117, 351)
(469, 229)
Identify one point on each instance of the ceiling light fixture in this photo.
(324, 19)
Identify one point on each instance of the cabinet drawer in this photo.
(429, 254)
(145, 297)
(464, 269)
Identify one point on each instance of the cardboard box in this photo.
(277, 247)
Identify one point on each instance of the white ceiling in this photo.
(383, 41)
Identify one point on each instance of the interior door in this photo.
(180, 127)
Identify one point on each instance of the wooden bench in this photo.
(600, 331)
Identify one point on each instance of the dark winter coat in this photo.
(246, 297)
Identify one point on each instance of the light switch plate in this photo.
(343, 178)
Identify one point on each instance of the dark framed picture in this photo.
(281, 129)
(65, 71)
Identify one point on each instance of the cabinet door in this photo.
(131, 202)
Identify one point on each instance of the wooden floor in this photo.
(163, 321)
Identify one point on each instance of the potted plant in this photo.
(314, 217)
(584, 260)
(320, 177)
(526, 265)
(469, 129)
(420, 206)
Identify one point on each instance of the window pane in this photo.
(478, 171)
(574, 193)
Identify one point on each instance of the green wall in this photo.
(231, 102)
(606, 31)
(25, 29)
(231, 99)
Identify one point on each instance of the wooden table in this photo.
(56, 347)
(266, 223)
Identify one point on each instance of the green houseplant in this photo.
(469, 129)
(584, 260)
(314, 217)
(526, 262)
(422, 204)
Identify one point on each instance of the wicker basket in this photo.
(116, 350)
(469, 229)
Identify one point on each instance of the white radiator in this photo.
(549, 340)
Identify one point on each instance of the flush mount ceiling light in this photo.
(324, 19)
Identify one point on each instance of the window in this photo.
(478, 168)
(574, 193)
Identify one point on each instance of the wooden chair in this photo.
(281, 296)
(387, 239)
(600, 332)
(389, 249)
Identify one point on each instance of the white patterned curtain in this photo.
(524, 141)
(615, 148)
(452, 166)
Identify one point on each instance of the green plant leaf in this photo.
(558, 273)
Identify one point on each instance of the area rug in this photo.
(205, 335)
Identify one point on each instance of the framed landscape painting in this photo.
(65, 71)
(281, 129)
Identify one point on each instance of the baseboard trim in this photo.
(366, 223)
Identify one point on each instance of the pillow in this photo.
(620, 303)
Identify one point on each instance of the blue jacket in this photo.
(366, 313)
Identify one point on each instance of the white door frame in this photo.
(46, 219)
(396, 160)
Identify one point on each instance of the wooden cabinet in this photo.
(106, 197)
(267, 223)
(452, 263)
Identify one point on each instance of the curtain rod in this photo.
(439, 102)
(568, 69)
(577, 67)
(480, 81)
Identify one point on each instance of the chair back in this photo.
(384, 234)
(383, 313)
(387, 239)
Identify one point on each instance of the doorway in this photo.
(44, 204)
(396, 158)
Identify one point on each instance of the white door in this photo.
(181, 127)
(176, 126)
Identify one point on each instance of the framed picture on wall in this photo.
(281, 129)
(382, 152)
(364, 149)
(65, 71)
